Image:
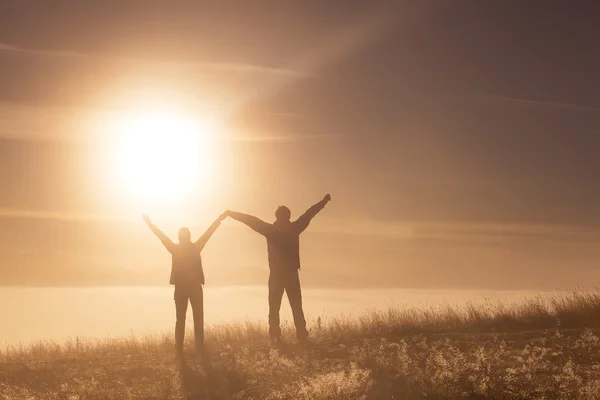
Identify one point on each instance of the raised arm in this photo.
(256, 224)
(200, 243)
(168, 243)
(302, 223)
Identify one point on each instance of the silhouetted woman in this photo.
(187, 276)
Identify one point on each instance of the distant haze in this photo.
(91, 313)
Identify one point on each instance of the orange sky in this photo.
(458, 152)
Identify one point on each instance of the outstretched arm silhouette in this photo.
(168, 243)
(302, 223)
(200, 243)
(256, 224)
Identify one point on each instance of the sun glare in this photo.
(162, 157)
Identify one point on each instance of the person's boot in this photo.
(302, 335)
(179, 339)
(275, 335)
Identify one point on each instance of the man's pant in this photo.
(288, 281)
(195, 296)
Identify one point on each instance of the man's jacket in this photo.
(283, 238)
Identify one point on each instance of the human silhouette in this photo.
(187, 276)
(284, 261)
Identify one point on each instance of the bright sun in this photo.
(163, 157)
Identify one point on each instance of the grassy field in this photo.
(544, 348)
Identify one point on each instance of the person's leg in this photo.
(197, 301)
(181, 304)
(276, 288)
(294, 294)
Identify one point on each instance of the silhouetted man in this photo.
(187, 276)
(284, 261)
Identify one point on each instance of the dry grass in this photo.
(545, 348)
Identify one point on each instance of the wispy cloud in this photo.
(476, 232)
(287, 115)
(280, 138)
(56, 122)
(4, 47)
(541, 103)
(55, 215)
(339, 44)
(499, 230)
(267, 80)
(221, 66)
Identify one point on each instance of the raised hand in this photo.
(327, 198)
(147, 219)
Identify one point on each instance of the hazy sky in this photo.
(460, 140)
